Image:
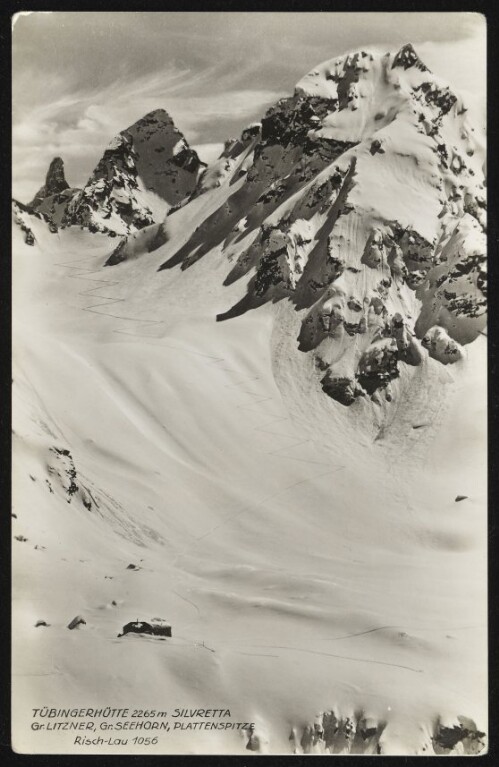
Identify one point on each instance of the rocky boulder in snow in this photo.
(459, 737)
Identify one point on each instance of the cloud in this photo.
(80, 78)
(79, 126)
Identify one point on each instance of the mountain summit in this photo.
(146, 169)
(361, 200)
(55, 183)
(52, 198)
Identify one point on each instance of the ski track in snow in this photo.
(108, 300)
(82, 273)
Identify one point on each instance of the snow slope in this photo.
(321, 580)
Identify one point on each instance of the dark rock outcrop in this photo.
(463, 733)
(55, 183)
(154, 627)
(147, 169)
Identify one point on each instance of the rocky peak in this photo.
(55, 183)
(157, 119)
(407, 57)
(147, 169)
(361, 202)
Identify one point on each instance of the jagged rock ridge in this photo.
(48, 204)
(147, 169)
(360, 198)
(52, 199)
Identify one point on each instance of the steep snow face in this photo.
(146, 169)
(361, 199)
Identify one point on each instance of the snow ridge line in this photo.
(82, 273)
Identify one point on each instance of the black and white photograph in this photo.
(249, 410)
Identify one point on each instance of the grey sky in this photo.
(79, 78)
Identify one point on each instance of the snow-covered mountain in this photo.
(361, 199)
(146, 170)
(249, 429)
